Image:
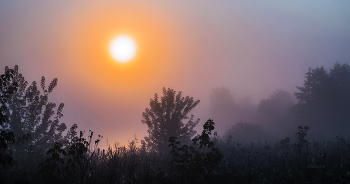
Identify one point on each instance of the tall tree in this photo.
(165, 118)
(7, 88)
(340, 80)
(315, 92)
(324, 99)
(30, 112)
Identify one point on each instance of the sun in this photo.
(122, 48)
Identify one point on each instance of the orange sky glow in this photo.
(189, 46)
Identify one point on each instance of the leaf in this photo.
(53, 84)
(42, 84)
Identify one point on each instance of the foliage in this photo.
(301, 147)
(7, 88)
(74, 159)
(204, 159)
(26, 122)
(324, 99)
(278, 162)
(51, 168)
(30, 112)
(81, 156)
(197, 160)
(165, 118)
(315, 90)
(289, 160)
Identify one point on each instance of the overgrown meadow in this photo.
(37, 148)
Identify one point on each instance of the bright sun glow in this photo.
(122, 48)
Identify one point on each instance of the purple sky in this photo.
(251, 47)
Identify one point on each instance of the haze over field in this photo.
(253, 48)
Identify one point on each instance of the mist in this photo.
(252, 49)
(246, 63)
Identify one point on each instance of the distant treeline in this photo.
(36, 148)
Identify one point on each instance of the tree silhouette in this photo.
(324, 99)
(315, 91)
(165, 118)
(340, 85)
(198, 159)
(7, 88)
(30, 112)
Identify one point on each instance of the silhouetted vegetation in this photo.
(324, 100)
(164, 119)
(35, 148)
(7, 87)
(196, 163)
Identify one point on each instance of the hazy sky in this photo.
(251, 47)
